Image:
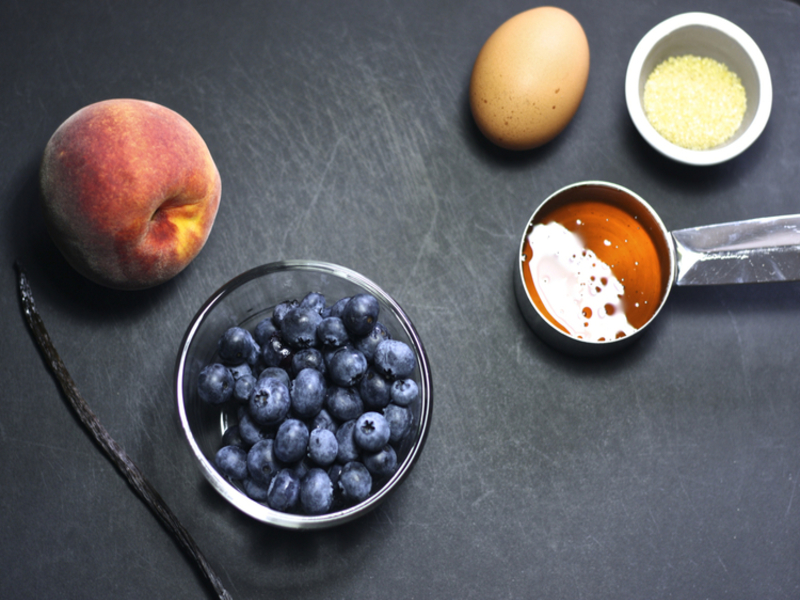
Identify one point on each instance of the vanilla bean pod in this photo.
(129, 470)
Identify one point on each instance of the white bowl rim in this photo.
(697, 157)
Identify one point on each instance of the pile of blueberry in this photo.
(322, 397)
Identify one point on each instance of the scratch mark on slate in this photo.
(791, 496)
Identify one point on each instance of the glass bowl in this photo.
(704, 35)
(246, 300)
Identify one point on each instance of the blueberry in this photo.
(243, 388)
(275, 353)
(307, 393)
(284, 490)
(395, 359)
(304, 466)
(344, 404)
(308, 358)
(382, 463)
(338, 307)
(322, 447)
(334, 472)
(316, 492)
(270, 401)
(360, 314)
(355, 482)
(277, 373)
(265, 331)
(375, 390)
(231, 461)
(291, 441)
(239, 371)
(346, 366)
(327, 354)
(404, 392)
(279, 312)
(215, 384)
(237, 346)
(315, 301)
(250, 431)
(324, 420)
(261, 461)
(347, 445)
(367, 344)
(400, 420)
(332, 333)
(300, 327)
(255, 490)
(232, 437)
(372, 431)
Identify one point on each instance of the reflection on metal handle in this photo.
(755, 251)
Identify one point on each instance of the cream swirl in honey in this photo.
(593, 270)
(577, 288)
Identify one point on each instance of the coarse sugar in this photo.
(694, 102)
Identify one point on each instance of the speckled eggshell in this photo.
(529, 78)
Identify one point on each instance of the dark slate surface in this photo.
(342, 133)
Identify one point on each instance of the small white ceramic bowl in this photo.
(704, 35)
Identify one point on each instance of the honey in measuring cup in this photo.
(595, 263)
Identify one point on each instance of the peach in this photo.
(130, 192)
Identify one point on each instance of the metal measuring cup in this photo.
(751, 251)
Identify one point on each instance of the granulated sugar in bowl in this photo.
(698, 89)
(694, 102)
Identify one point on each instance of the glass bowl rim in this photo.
(238, 498)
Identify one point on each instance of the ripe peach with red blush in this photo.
(130, 192)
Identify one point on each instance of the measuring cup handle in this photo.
(753, 251)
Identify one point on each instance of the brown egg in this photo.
(529, 78)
